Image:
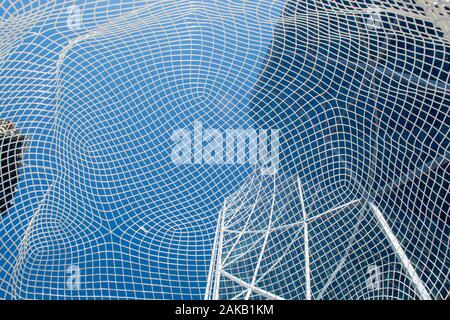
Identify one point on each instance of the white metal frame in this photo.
(400, 253)
(306, 242)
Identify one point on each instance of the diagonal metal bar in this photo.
(219, 256)
(400, 253)
(212, 266)
(251, 288)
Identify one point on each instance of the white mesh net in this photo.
(224, 149)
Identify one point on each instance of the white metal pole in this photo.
(401, 255)
(219, 256)
(306, 242)
(266, 239)
(208, 294)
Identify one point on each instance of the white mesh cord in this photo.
(257, 149)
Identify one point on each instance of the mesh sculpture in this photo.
(227, 149)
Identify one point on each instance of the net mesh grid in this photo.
(357, 208)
